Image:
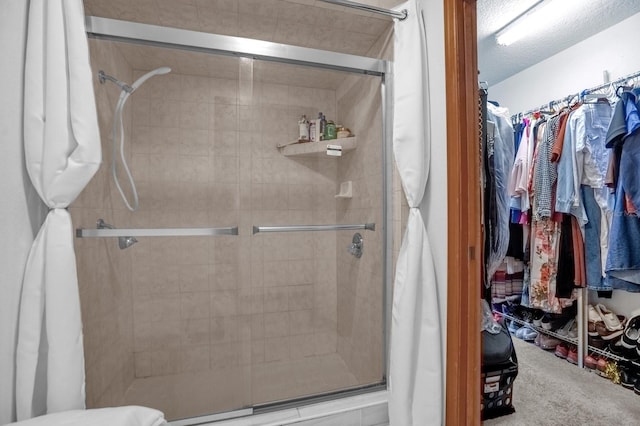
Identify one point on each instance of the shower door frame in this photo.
(175, 38)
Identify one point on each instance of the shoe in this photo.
(561, 351)
(520, 331)
(564, 330)
(548, 343)
(602, 364)
(527, 316)
(512, 326)
(529, 335)
(591, 362)
(553, 321)
(611, 320)
(572, 333)
(628, 376)
(631, 333)
(537, 317)
(594, 318)
(537, 340)
(617, 348)
(597, 342)
(572, 356)
(607, 334)
(636, 387)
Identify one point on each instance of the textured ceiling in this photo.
(587, 18)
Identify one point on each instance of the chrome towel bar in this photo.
(298, 228)
(155, 232)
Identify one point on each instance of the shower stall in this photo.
(247, 286)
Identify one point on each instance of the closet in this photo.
(558, 195)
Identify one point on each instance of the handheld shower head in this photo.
(157, 71)
(118, 130)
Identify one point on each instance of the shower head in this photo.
(102, 76)
(157, 71)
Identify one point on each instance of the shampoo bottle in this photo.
(303, 125)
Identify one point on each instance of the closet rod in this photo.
(586, 91)
(617, 81)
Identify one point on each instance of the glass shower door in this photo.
(198, 325)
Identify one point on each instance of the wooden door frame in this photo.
(464, 213)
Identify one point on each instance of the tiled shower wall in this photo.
(204, 154)
(360, 281)
(104, 271)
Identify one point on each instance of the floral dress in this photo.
(545, 228)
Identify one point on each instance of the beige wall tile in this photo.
(195, 331)
(224, 329)
(194, 115)
(301, 272)
(276, 299)
(194, 305)
(276, 349)
(325, 343)
(276, 324)
(142, 364)
(302, 345)
(194, 141)
(195, 278)
(301, 322)
(195, 358)
(165, 362)
(224, 302)
(301, 297)
(223, 276)
(225, 355)
(257, 351)
(276, 273)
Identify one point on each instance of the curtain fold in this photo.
(62, 153)
(416, 372)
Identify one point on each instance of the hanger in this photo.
(626, 86)
(592, 98)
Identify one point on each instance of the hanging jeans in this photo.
(592, 249)
(623, 260)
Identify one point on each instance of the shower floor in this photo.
(194, 394)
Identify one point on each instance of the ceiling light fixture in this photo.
(537, 18)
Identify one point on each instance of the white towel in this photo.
(116, 416)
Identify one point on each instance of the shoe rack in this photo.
(582, 341)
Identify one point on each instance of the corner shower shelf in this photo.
(318, 149)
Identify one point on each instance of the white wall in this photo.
(574, 69)
(570, 71)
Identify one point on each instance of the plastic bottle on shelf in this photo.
(313, 131)
(330, 130)
(303, 125)
(321, 128)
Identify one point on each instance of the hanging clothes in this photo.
(623, 258)
(500, 154)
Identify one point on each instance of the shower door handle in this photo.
(155, 232)
(303, 228)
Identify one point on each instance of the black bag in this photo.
(499, 370)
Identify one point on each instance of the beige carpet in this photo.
(551, 391)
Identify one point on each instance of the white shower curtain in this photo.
(62, 153)
(416, 372)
